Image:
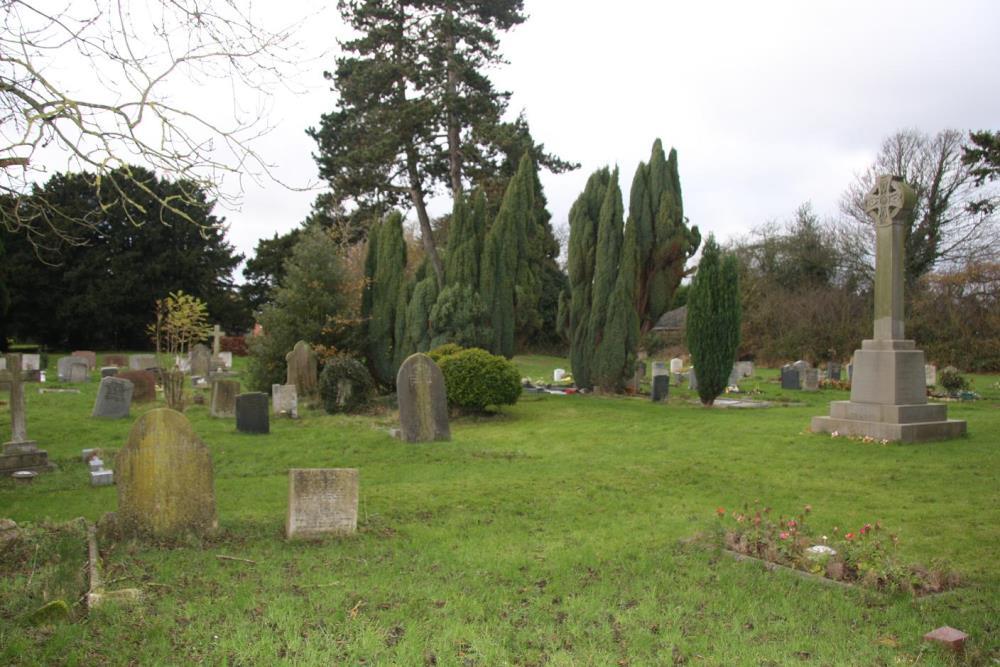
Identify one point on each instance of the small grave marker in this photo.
(322, 501)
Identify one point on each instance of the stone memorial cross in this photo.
(889, 205)
(216, 340)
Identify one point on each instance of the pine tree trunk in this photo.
(451, 92)
(417, 196)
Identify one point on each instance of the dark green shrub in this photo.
(345, 385)
(475, 378)
(952, 380)
(442, 351)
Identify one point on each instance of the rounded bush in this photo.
(442, 351)
(475, 379)
(952, 380)
(345, 385)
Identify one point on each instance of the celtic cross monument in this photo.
(888, 395)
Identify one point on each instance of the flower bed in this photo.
(865, 556)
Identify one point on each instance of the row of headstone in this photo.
(166, 485)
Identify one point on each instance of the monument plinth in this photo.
(19, 453)
(888, 393)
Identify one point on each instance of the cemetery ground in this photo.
(562, 531)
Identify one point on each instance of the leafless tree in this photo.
(98, 85)
(945, 230)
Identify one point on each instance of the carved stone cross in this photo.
(216, 340)
(18, 420)
(889, 204)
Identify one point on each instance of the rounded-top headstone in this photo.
(423, 404)
(303, 369)
(164, 475)
(224, 394)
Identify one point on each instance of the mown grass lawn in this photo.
(558, 532)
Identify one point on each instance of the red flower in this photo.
(849, 536)
(721, 511)
(792, 524)
(783, 536)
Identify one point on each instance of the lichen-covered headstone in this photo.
(322, 501)
(201, 360)
(253, 413)
(224, 394)
(303, 369)
(114, 398)
(164, 476)
(286, 400)
(423, 404)
(143, 384)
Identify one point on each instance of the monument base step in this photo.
(37, 461)
(896, 432)
(893, 414)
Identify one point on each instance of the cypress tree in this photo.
(462, 262)
(607, 257)
(713, 320)
(663, 239)
(387, 284)
(504, 261)
(615, 354)
(415, 333)
(583, 218)
(368, 291)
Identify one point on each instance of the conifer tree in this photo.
(713, 320)
(615, 354)
(368, 291)
(583, 220)
(663, 239)
(389, 276)
(415, 333)
(607, 257)
(507, 280)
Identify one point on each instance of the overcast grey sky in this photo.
(769, 104)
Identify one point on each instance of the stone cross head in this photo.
(890, 201)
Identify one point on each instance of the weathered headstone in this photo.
(303, 369)
(286, 400)
(660, 388)
(223, 402)
(201, 360)
(659, 368)
(930, 375)
(692, 380)
(142, 362)
(252, 413)
(833, 370)
(801, 365)
(423, 404)
(676, 365)
(790, 377)
(65, 369)
(734, 377)
(165, 484)
(19, 453)
(227, 359)
(810, 379)
(322, 501)
(216, 364)
(746, 368)
(114, 398)
(109, 371)
(89, 356)
(119, 360)
(143, 384)
(31, 362)
(888, 387)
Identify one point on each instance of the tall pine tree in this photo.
(713, 320)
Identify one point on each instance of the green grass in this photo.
(557, 532)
